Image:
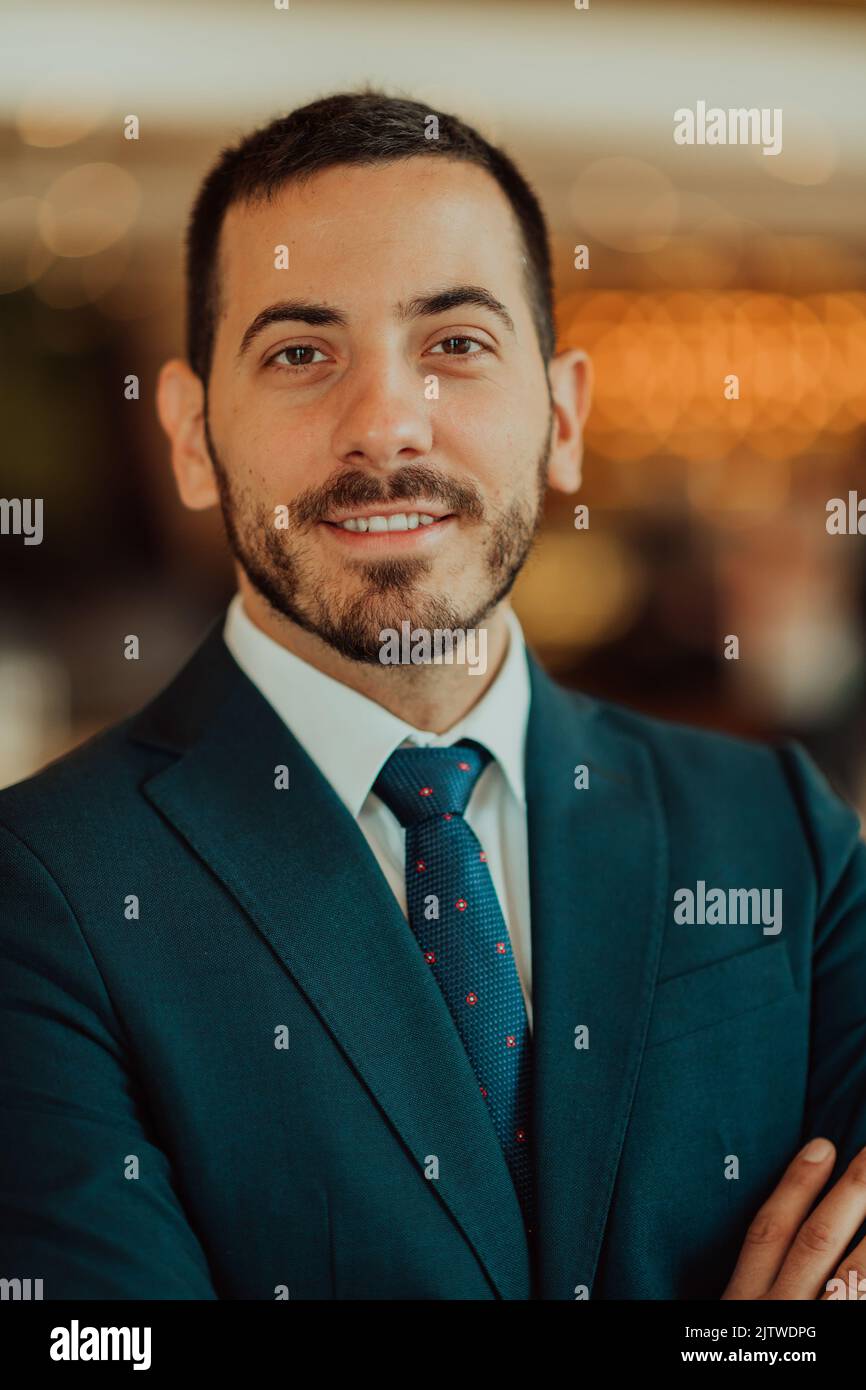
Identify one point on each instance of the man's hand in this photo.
(788, 1253)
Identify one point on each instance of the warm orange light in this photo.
(662, 361)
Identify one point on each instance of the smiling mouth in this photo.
(387, 523)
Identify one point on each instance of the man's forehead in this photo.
(454, 213)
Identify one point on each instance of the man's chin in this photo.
(383, 632)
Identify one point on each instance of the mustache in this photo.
(412, 483)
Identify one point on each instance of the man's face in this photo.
(337, 432)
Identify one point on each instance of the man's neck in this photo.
(429, 697)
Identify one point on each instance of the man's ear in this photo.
(570, 375)
(180, 406)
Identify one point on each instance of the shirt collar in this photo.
(350, 737)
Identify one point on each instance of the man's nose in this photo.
(385, 419)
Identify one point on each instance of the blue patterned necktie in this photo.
(466, 945)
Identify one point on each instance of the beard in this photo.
(391, 591)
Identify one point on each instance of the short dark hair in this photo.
(365, 127)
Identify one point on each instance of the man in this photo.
(332, 977)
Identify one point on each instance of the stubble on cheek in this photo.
(349, 602)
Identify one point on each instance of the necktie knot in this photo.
(420, 784)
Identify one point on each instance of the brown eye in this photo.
(301, 357)
(304, 357)
(459, 345)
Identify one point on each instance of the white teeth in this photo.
(400, 521)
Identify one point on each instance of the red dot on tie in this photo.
(510, 1040)
(483, 1092)
(464, 767)
(520, 1136)
(483, 857)
(430, 957)
(446, 815)
(461, 904)
(425, 791)
(500, 948)
(420, 865)
(471, 998)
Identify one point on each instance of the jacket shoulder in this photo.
(101, 777)
(94, 773)
(683, 745)
(775, 780)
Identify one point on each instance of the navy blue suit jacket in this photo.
(159, 1143)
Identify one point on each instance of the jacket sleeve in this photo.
(87, 1200)
(836, 1098)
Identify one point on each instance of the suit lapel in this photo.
(300, 868)
(598, 879)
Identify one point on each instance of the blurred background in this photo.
(706, 515)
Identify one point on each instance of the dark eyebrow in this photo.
(294, 311)
(423, 306)
(441, 301)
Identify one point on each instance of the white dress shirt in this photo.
(349, 737)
